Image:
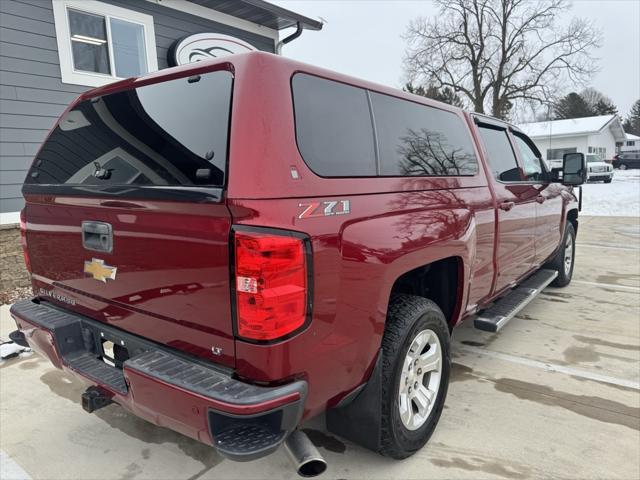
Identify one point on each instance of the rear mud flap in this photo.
(360, 419)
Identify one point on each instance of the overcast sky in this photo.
(364, 38)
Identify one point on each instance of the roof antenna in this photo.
(550, 128)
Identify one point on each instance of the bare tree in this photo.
(498, 52)
(425, 152)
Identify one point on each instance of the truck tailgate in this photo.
(170, 280)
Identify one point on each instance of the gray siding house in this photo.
(52, 50)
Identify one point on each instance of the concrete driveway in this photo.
(555, 394)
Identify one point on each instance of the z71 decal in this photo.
(324, 209)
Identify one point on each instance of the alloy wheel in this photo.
(568, 255)
(420, 379)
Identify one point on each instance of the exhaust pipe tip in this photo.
(304, 455)
(312, 468)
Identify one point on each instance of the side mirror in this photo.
(574, 169)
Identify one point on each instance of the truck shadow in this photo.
(66, 386)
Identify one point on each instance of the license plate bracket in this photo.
(114, 351)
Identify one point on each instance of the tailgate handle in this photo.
(97, 236)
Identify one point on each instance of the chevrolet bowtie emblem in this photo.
(99, 271)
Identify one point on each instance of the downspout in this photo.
(290, 38)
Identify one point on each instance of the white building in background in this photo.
(597, 135)
(631, 144)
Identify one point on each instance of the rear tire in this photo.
(565, 258)
(622, 166)
(413, 387)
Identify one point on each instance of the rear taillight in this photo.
(23, 240)
(272, 291)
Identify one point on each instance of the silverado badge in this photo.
(99, 271)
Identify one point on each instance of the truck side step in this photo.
(498, 315)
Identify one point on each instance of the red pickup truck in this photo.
(232, 247)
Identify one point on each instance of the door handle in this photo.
(506, 206)
(540, 198)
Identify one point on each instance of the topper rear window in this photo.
(172, 133)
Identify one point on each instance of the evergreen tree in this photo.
(588, 103)
(632, 123)
(605, 108)
(445, 95)
(415, 90)
(572, 106)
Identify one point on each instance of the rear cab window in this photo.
(347, 131)
(172, 133)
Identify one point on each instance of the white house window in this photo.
(600, 151)
(558, 153)
(89, 42)
(99, 43)
(128, 48)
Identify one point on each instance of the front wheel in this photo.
(565, 258)
(622, 166)
(608, 180)
(415, 374)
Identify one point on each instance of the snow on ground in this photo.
(620, 198)
(10, 350)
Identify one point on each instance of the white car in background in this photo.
(597, 169)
